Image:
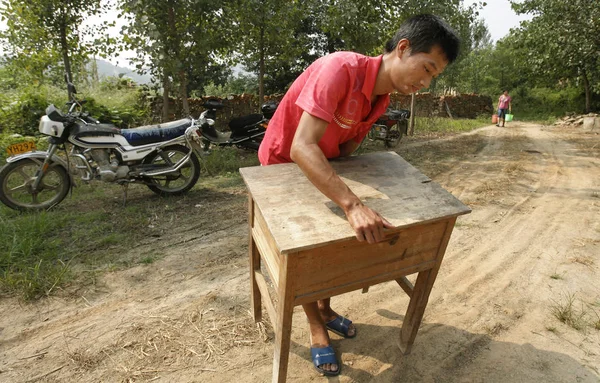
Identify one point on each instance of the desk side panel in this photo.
(267, 247)
(347, 266)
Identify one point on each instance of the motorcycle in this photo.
(163, 157)
(390, 127)
(246, 132)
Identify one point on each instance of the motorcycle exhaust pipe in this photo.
(190, 138)
(173, 169)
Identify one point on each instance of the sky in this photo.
(499, 17)
(497, 14)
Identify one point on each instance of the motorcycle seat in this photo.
(151, 134)
(239, 123)
(399, 114)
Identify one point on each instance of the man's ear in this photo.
(403, 47)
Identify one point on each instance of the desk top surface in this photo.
(300, 217)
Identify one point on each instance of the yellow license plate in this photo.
(22, 147)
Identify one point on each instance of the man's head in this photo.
(505, 92)
(424, 32)
(421, 49)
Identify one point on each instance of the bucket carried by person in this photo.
(494, 118)
(508, 117)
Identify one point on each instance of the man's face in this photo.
(412, 72)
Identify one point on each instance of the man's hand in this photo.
(367, 224)
(305, 151)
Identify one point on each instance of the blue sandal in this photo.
(340, 326)
(325, 355)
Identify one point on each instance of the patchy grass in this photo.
(437, 126)
(32, 260)
(556, 276)
(588, 144)
(496, 329)
(583, 260)
(566, 312)
(93, 232)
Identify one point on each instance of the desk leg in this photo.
(420, 295)
(416, 308)
(285, 310)
(254, 265)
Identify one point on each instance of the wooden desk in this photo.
(310, 252)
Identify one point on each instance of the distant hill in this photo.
(106, 69)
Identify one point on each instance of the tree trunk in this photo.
(261, 70)
(183, 92)
(64, 47)
(95, 77)
(411, 126)
(588, 95)
(178, 69)
(166, 86)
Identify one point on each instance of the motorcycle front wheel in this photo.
(16, 185)
(178, 182)
(394, 135)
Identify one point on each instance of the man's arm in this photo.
(367, 224)
(348, 147)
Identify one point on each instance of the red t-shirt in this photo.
(336, 88)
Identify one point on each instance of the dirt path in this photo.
(531, 246)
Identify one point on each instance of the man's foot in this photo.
(347, 331)
(323, 357)
(322, 354)
(497, 125)
(341, 326)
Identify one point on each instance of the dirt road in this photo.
(528, 254)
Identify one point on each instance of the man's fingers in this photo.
(380, 234)
(359, 236)
(369, 237)
(387, 224)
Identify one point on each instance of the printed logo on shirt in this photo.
(342, 121)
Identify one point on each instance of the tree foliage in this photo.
(45, 36)
(562, 41)
(190, 46)
(176, 40)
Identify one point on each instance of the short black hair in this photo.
(424, 32)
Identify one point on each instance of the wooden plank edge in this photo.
(264, 292)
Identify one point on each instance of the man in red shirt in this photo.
(328, 111)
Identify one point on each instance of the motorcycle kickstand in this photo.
(125, 186)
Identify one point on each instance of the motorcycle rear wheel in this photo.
(16, 181)
(394, 135)
(178, 182)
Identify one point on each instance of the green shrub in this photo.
(23, 115)
(118, 102)
(546, 103)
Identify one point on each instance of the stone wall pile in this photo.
(426, 105)
(459, 106)
(588, 122)
(234, 106)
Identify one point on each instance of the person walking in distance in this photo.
(504, 106)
